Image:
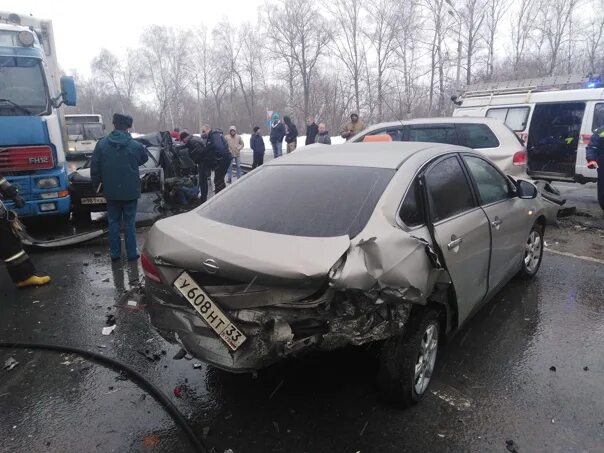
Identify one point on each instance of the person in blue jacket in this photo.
(257, 145)
(114, 172)
(595, 159)
(276, 135)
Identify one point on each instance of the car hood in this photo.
(187, 240)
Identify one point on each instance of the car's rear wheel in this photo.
(533, 253)
(407, 362)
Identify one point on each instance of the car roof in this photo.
(376, 155)
(438, 120)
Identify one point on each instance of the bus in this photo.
(83, 132)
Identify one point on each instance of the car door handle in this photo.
(455, 242)
(496, 222)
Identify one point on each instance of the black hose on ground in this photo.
(134, 375)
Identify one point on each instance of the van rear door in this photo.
(555, 131)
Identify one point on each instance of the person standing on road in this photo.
(291, 134)
(353, 127)
(219, 150)
(18, 264)
(257, 145)
(235, 146)
(276, 135)
(311, 131)
(595, 159)
(114, 171)
(323, 135)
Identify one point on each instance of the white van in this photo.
(554, 116)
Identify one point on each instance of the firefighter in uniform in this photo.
(19, 265)
(595, 159)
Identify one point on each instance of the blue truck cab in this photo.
(32, 133)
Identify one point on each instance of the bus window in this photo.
(515, 117)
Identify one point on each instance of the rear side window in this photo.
(448, 189)
(598, 116)
(434, 134)
(515, 117)
(411, 212)
(476, 136)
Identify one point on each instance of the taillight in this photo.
(520, 157)
(26, 158)
(149, 268)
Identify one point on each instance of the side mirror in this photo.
(68, 90)
(526, 190)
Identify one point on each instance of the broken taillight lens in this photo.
(149, 268)
(520, 157)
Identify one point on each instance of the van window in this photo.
(476, 136)
(598, 116)
(515, 117)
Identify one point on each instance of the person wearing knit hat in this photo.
(276, 135)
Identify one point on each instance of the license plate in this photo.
(208, 310)
(94, 200)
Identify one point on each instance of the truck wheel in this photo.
(533, 253)
(407, 362)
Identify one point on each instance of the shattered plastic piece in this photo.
(197, 365)
(441, 435)
(123, 376)
(585, 368)
(552, 368)
(132, 303)
(205, 431)
(10, 364)
(110, 321)
(105, 280)
(108, 330)
(364, 428)
(229, 451)
(177, 391)
(188, 357)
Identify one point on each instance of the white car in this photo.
(488, 136)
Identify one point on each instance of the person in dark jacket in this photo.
(115, 173)
(257, 145)
(323, 135)
(311, 131)
(219, 149)
(291, 134)
(203, 157)
(276, 135)
(595, 159)
(18, 264)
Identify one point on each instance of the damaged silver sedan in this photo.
(395, 244)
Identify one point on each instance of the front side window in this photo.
(312, 201)
(448, 189)
(515, 117)
(22, 87)
(433, 134)
(598, 116)
(492, 185)
(476, 136)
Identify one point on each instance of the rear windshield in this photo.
(301, 200)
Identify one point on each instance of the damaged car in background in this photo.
(167, 164)
(392, 244)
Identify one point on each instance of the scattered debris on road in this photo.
(10, 364)
(552, 368)
(177, 391)
(108, 330)
(511, 446)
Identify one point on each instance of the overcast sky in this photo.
(83, 28)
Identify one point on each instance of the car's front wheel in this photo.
(407, 362)
(533, 253)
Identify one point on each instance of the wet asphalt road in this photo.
(493, 381)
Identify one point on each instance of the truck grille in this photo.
(26, 158)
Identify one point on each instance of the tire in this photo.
(533, 255)
(398, 382)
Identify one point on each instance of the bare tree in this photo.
(437, 27)
(302, 35)
(347, 41)
(124, 77)
(383, 33)
(472, 17)
(495, 10)
(553, 22)
(522, 25)
(593, 41)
